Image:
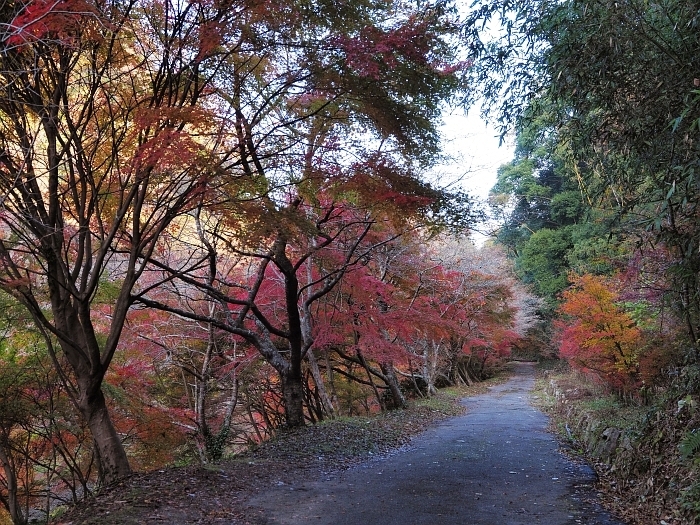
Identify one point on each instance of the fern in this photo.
(690, 444)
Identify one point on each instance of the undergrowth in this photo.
(651, 475)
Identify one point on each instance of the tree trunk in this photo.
(293, 393)
(396, 395)
(416, 386)
(365, 365)
(13, 506)
(463, 374)
(329, 371)
(328, 408)
(292, 380)
(112, 460)
(430, 354)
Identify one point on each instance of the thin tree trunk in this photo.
(202, 383)
(432, 357)
(329, 371)
(231, 405)
(413, 379)
(14, 508)
(428, 369)
(328, 408)
(393, 383)
(364, 364)
(254, 423)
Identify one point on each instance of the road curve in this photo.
(496, 465)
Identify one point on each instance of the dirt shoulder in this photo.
(218, 493)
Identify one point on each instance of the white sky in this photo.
(475, 156)
(474, 149)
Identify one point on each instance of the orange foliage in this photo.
(599, 335)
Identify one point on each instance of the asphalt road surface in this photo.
(496, 465)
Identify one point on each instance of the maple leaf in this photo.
(59, 20)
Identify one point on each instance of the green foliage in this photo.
(604, 406)
(592, 250)
(546, 220)
(108, 291)
(618, 81)
(642, 313)
(689, 378)
(523, 195)
(567, 207)
(215, 444)
(689, 446)
(13, 407)
(690, 500)
(543, 261)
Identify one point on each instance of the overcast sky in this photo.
(475, 151)
(476, 156)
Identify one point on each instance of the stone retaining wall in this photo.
(598, 440)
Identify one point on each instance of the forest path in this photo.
(496, 465)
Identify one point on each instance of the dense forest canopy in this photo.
(215, 220)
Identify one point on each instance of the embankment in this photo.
(647, 456)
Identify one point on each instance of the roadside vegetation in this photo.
(216, 226)
(646, 455)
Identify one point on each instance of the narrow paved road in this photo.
(496, 465)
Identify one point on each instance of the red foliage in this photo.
(402, 305)
(58, 20)
(152, 430)
(375, 52)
